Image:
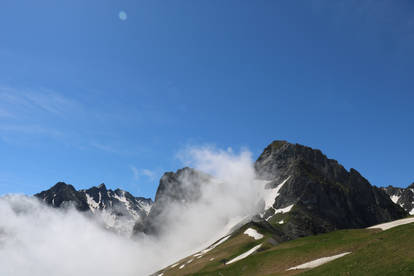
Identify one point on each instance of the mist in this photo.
(39, 240)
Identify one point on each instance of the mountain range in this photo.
(117, 209)
(305, 193)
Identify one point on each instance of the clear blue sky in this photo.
(86, 97)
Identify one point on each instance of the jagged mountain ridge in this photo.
(117, 204)
(318, 194)
(307, 193)
(402, 196)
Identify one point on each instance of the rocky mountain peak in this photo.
(102, 187)
(62, 194)
(313, 190)
(119, 204)
(280, 156)
(62, 186)
(180, 187)
(184, 184)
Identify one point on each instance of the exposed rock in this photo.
(115, 205)
(62, 194)
(319, 194)
(181, 187)
(402, 196)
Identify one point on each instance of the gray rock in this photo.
(325, 196)
(402, 196)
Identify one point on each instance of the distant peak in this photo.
(411, 186)
(102, 186)
(61, 185)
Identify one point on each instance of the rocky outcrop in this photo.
(62, 195)
(181, 187)
(318, 194)
(402, 196)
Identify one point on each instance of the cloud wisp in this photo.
(28, 102)
(138, 173)
(38, 240)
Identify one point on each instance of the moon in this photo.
(123, 15)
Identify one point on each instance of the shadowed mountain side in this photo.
(181, 187)
(321, 194)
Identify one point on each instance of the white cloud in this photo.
(26, 112)
(137, 173)
(148, 173)
(35, 240)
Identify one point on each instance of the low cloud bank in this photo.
(38, 240)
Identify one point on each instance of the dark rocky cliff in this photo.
(181, 187)
(322, 195)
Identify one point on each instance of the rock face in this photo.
(62, 194)
(181, 187)
(402, 196)
(115, 205)
(314, 194)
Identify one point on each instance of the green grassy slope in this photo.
(374, 252)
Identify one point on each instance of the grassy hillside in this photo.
(374, 252)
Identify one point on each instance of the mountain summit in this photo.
(115, 205)
(181, 187)
(316, 194)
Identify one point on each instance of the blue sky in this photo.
(86, 97)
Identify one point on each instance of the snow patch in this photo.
(318, 262)
(284, 210)
(181, 266)
(395, 198)
(174, 265)
(211, 247)
(214, 245)
(391, 224)
(253, 233)
(145, 206)
(244, 255)
(281, 222)
(127, 205)
(92, 203)
(281, 211)
(271, 196)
